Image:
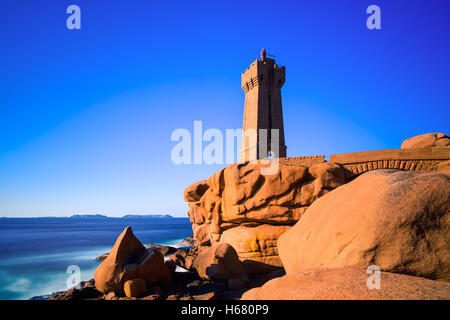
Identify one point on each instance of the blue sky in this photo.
(86, 115)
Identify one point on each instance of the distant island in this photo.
(158, 216)
(99, 216)
(96, 216)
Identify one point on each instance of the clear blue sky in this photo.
(86, 115)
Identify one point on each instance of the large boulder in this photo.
(437, 139)
(348, 284)
(126, 248)
(129, 259)
(150, 267)
(219, 262)
(398, 221)
(240, 193)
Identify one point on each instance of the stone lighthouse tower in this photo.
(262, 83)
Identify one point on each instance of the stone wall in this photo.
(305, 161)
(417, 159)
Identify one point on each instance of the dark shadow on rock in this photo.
(256, 267)
(165, 250)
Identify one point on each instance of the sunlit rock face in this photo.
(396, 220)
(427, 140)
(128, 260)
(249, 210)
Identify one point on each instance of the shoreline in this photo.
(175, 243)
(36, 252)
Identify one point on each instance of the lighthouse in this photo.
(263, 130)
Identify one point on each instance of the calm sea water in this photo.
(36, 252)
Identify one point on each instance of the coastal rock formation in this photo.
(184, 257)
(348, 284)
(187, 285)
(85, 290)
(150, 267)
(427, 140)
(127, 260)
(201, 234)
(219, 262)
(195, 191)
(127, 248)
(257, 245)
(134, 288)
(240, 199)
(398, 221)
(165, 250)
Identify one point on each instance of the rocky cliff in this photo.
(240, 206)
(249, 210)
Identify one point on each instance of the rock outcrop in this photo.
(150, 267)
(348, 284)
(398, 221)
(84, 291)
(195, 191)
(249, 210)
(129, 259)
(184, 257)
(165, 250)
(102, 257)
(251, 241)
(306, 231)
(427, 140)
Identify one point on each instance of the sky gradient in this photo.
(86, 115)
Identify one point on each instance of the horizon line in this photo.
(99, 216)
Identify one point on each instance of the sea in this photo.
(41, 256)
